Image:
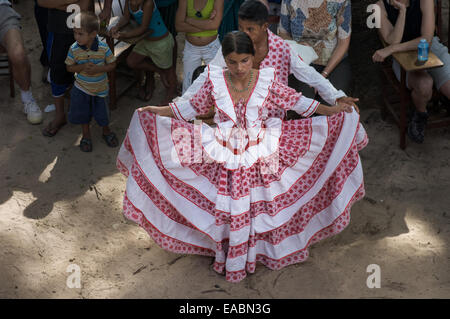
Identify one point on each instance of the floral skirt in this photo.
(250, 213)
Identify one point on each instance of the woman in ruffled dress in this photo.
(254, 188)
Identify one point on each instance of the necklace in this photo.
(244, 89)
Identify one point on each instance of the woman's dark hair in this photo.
(254, 11)
(238, 42)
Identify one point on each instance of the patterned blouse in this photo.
(318, 23)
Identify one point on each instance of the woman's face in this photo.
(239, 64)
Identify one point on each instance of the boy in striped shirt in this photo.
(90, 60)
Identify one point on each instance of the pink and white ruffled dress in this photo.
(253, 189)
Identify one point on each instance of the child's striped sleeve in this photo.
(109, 56)
(70, 59)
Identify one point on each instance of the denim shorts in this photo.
(84, 106)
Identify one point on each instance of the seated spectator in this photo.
(403, 24)
(200, 25)
(324, 25)
(11, 40)
(154, 53)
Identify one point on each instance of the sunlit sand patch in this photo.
(47, 172)
(421, 238)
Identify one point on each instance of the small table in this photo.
(408, 62)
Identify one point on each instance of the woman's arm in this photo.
(123, 21)
(209, 24)
(180, 17)
(146, 18)
(337, 56)
(343, 34)
(159, 110)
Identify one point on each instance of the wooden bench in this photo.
(120, 49)
(396, 96)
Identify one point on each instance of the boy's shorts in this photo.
(9, 19)
(58, 44)
(84, 106)
(160, 51)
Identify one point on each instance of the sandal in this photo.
(86, 145)
(111, 140)
(51, 131)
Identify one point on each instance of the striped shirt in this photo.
(99, 54)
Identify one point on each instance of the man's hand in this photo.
(339, 108)
(382, 54)
(348, 101)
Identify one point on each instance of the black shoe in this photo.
(416, 127)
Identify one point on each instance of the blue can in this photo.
(422, 52)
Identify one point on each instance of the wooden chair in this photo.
(120, 49)
(396, 96)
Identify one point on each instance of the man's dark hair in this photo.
(238, 42)
(255, 11)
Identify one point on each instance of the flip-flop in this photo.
(50, 131)
(86, 145)
(111, 140)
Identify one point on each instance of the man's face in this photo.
(83, 37)
(255, 31)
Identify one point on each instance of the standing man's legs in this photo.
(57, 47)
(41, 16)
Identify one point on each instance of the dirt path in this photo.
(59, 206)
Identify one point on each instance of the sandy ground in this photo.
(59, 206)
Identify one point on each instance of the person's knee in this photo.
(16, 51)
(132, 62)
(424, 87)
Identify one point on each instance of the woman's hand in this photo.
(149, 108)
(382, 54)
